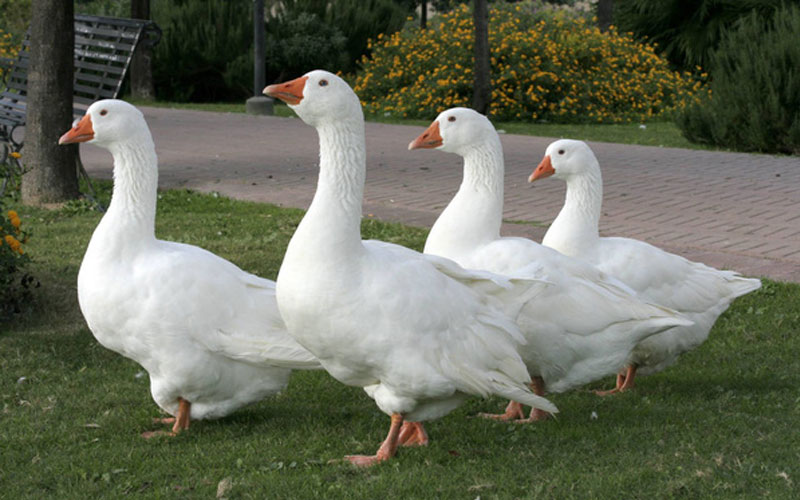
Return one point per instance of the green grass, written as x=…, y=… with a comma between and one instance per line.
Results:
x=664, y=134
x=720, y=424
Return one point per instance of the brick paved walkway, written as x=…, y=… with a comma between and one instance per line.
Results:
x=730, y=210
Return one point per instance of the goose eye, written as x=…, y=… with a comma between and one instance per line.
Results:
x=561, y=151
x=103, y=112
x=323, y=83
x=451, y=119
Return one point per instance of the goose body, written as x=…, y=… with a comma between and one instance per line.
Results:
x=209, y=334
x=582, y=327
x=418, y=333
x=699, y=292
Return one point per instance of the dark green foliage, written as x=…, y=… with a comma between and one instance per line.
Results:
x=111, y=8
x=15, y=16
x=309, y=34
x=300, y=41
x=686, y=30
x=755, y=83
x=205, y=53
x=361, y=20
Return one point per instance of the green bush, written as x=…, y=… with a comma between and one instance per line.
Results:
x=755, y=88
x=308, y=34
x=687, y=32
x=111, y=8
x=299, y=41
x=546, y=65
x=15, y=16
x=205, y=52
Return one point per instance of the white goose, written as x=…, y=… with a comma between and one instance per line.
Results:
x=581, y=328
x=699, y=292
x=418, y=333
x=208, y=333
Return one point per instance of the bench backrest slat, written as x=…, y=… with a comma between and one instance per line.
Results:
x=101, y=81
x=103, y=44
x=88, y=66
x=100, y=29
x=102, y=56
x=93, y=92
x=10, y=100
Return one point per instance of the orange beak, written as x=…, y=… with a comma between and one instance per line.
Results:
x=545, y=169
x=428, y=139
x=290, y=92
x=81, y=132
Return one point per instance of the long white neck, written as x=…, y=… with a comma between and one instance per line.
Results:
x=575, y=230
x=474, y=215
x=333, y=221
x=132, y=212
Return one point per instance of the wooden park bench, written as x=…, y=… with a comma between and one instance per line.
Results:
x=104, y=47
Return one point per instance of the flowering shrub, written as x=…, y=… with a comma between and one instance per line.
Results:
x=14, y=288
x=546, y=65
x=11, y=171
x=8, y=49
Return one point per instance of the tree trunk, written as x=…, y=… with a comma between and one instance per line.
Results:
x=423, y=14
x=142, y=62
x=482, y=87
x=51, y=175
x=605, y=14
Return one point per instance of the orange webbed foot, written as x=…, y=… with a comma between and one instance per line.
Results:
x=624, y=382
x=536, y=415
x=513, y=412
x=386, y=451
x=364, y=460
x=179, y=423
x=609, y=392
x=412, y=434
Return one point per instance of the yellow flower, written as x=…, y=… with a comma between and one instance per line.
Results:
x=15, y=154
x=13, y=243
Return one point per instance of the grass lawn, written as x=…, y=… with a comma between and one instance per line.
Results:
x=664, y=134
x=722, y=423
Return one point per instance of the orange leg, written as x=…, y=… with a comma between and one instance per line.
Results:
x=181, y=422
x=624, y=382
x=630, y=375
x=413, y=434
x=386, y=451
x=513, y=412
x=537, y=385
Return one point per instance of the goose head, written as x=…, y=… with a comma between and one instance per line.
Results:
x=455, y=130
x=318, y=97
x=107, y=122
x=563, y=159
